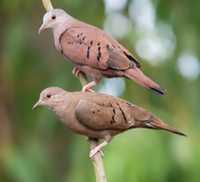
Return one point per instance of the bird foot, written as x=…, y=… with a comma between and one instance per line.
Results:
x=97, y=149
x=94, y=151
x=76, y=71
x=87, y=87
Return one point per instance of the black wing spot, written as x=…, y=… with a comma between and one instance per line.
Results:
x=99, y=54
x=113, y=116
x=88, y=52
x=123, y=114
x=84, y=38
x=132, y=59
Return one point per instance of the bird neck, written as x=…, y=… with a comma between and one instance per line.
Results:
x=60, y=28
x=61, y=107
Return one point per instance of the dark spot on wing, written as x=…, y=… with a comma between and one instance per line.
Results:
x=99, y=52
x=91, y=42
x=131, y=58
x=88, y=52
x=113, y=116
x=123, y=114
x=84, y=38
x=99, y=55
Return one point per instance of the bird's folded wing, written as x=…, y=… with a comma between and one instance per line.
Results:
x=89, y=45
x=102, y=117
x=120, y=59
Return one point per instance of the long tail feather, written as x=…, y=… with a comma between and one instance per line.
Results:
x=155, y=123
x=139, y=77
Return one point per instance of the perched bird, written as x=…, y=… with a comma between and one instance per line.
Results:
x=98, y=116
x=93, y=52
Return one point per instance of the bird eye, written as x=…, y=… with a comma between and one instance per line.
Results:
x=53, y=17
x=48, y=96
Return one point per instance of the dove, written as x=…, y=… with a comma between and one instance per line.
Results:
x=93, y=52
x=98, y=116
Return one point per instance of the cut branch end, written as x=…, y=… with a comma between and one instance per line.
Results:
x=47, y=5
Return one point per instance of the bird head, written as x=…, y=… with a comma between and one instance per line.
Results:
x=51, y=97
x=53, y=19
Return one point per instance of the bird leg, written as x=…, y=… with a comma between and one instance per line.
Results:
x=88, y=86
x=76, y=71
x=98, y=149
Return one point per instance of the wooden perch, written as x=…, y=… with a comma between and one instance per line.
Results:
x=97, y=160
x=47, y=5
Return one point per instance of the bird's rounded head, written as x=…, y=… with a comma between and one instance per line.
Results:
x=53, y=18
x=50, y=97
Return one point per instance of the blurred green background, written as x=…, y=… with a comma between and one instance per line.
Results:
x=35, y=147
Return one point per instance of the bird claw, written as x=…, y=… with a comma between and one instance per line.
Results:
x=87, y=87
x=94, y=151
x=76, y=71
x=97, y=149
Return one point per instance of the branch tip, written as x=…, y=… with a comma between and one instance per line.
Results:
x=47, y=5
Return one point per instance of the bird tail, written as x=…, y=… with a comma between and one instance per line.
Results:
x=156, y=123
x=139, y=77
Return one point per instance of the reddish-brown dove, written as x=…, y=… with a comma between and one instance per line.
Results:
x=93, y=52
x=98, y=116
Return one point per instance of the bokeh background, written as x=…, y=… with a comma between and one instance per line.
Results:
x=163, y=35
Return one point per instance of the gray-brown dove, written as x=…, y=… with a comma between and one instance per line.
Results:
x=93, y=52
x=98, y=116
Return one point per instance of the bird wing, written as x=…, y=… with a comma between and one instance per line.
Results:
x=103, y=116
x=105, y=112
x=88, y=45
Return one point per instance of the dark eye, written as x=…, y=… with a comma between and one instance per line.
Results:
x=53, y=17
x=48, y=96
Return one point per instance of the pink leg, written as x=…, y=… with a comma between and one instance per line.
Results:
x=76, y=71
x=87, y=87
x=97, y=149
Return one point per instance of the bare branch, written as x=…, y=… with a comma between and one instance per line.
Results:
x=97, y=159
x=47, y=5
x=97, y=162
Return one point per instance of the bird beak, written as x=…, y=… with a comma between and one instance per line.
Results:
x=38, y=103
x=42, y=28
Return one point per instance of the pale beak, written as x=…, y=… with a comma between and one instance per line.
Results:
x=38, y=103
x=42, y=28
